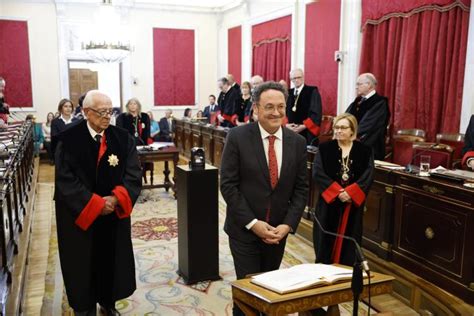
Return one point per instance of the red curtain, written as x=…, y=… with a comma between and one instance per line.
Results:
x=322, y=40
x=15, y=63
x=271, y=54
x=173, y=61
x=234, y=47
x=419, y=62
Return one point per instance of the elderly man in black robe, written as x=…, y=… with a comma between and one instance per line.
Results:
x=372, y=114
x=98, y=179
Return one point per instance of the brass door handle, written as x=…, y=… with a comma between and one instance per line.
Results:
x=429, y=233
x=432, y=189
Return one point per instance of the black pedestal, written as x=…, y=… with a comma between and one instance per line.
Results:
x=198, y=240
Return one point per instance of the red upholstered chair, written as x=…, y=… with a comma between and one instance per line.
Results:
x=326, y=132
x=441, y=154
x=412, y=132
x=456, y=141
x=402, y=148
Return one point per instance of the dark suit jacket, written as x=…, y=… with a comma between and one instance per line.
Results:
x=372, y=116
x=207, y=111
x=128, y=121
x=165, y=130
x=245, y=181
x=468, y=150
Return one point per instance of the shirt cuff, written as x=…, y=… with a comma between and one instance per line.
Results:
x=250, y=225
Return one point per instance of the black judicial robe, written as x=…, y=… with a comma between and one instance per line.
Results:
x=330, y=210
x=242, y=109
x=468, y=149
x=95, y=251
x=228, y=107
x=308, y=111
x=138, y=127
x=372, y=116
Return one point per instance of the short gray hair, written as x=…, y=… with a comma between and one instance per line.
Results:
x=90, y=96
x=370, y=78
x=268, y=85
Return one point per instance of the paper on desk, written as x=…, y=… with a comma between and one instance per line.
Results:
x=388, y=165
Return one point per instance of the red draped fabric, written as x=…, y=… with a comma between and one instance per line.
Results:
x=271, y=54
x=419, y=62
x=234, y=47
x=173, y=61
x=321, y=41
x=15, y=63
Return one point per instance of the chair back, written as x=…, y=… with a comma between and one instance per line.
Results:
x=441, y=154
x=456, y=141
x=402, y=148
x=412, y=132
x=326, y=132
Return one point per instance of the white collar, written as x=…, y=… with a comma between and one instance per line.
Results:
x=299, y=89
x=93, y=132
x=278, y=134
x=368, y=95
x=64, y=120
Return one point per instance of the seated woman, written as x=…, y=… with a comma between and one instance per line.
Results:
x=188, y=114
x=468, y=150
x=46, y=127
x=343, y=171
x=154, y=127
x=65, y=118
x=135, y=122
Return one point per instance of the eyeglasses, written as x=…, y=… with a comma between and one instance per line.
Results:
x=103, y=113
x=361, y=83
x=340, y=127
x=271, y=108
x=294, y=78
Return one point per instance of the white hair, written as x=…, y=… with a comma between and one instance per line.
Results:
x=292, y=71
x=370, y=78
x=91, y=96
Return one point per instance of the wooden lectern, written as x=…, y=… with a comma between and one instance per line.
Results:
x=198, y=216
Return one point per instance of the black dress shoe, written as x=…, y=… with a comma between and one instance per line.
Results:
x=109, y=311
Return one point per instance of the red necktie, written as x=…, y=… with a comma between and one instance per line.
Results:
x=272, y=161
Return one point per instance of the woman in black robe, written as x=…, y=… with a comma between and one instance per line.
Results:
x=135, y=122
x=343, y=171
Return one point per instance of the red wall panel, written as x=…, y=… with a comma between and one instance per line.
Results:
x=173, y=61
x=15, y=63
x=234, y=50
x=321, y=41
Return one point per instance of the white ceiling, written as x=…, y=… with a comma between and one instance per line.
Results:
x=196, y=3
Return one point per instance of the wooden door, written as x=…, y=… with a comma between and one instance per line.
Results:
x=81, y=81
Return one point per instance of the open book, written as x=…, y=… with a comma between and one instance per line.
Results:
x=302, y=276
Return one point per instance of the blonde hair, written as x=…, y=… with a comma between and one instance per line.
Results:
x=352, y=123
x=139, y=105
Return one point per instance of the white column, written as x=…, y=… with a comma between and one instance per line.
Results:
x=350, y=44
x=468, y=92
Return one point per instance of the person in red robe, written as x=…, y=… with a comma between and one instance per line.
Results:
x=97, y=181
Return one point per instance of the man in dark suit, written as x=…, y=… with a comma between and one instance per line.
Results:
x=166, y=127
x=372, y=114
x=263, y=181
x=468, y=150
x=304, y=108
x=212, y=108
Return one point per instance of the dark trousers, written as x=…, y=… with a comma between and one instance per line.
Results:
x=254, y=257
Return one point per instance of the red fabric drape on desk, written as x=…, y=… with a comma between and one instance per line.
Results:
x=173, y=62
x=234, y=49
x=15, y=63
x=419, y=62
x=271, y=54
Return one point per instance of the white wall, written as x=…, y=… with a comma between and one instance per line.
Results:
x=44, y=61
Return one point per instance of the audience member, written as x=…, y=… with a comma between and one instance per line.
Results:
x=97, y=181
x=4, y=107
x=78, y=113
x=304, y=108
x=255, y=81
x=199, y=114
x=244, y=104
x=212, y=110
x=154, y=127
x=188, y=114
x=468, y=150
x=343, y=170
x=261, y=213
x=135, y=122
x=46, y=127
x=63, y=121
x=372, y=114
x=38, y=137
x=166, y=127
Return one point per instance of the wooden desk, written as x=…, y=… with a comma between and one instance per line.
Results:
x=253, y=299
x=166, y=154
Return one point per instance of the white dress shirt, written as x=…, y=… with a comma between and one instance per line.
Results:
x=93, y=132
x=278, y=146
x=66, y=121
x=298, y=90
x=371, y=93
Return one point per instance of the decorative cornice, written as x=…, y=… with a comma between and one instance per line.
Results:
x=267, y=41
